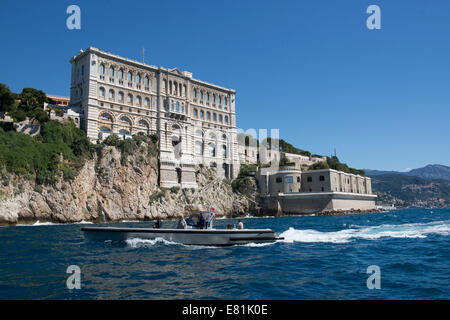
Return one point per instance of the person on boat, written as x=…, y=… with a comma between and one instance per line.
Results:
x=158, y=223
x=229, y=227
x=201, y=222
x=182, y=223
x=240, y=225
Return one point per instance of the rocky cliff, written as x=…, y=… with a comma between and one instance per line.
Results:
x=111, y=187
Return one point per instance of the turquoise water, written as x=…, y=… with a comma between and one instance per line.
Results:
x=323, y=257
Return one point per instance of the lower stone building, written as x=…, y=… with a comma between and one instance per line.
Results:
x=291, y=191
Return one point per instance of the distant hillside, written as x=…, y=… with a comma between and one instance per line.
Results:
x=429, y=172
x=404, y=190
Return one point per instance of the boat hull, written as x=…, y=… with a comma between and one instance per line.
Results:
x=209, y=237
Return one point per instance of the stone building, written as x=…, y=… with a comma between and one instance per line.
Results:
x=291, y=190
x=195, y=120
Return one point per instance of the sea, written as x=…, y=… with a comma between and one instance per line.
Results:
x=401, y=254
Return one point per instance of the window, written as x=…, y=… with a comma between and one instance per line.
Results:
x=202, y=114
x=201, y=95
x=298, y=179
x=198, y=148
x=124, y=132
x=130, y=76
x=207, y=96
x=102, y=69
x=208, y=115
x=214, y=117
x=212, y=150
x=143, y=123
x=125, y=120
x=226, y=119
x=226, y=101
x=220, y=118
x=147, y=102
x=322, y=178
x=138, y=78
x=105, y=130
x=111, y=94
x=214, y=98
x=138, y=101
x=182, y=108
x=309, y=179
x=224, y=151
x=111, y=71
x=121, y=96
x=130, y=98
x=105, y=116
x=220, y=99
x=82, y=70
x=194, y=93
x=289, y=179
x=195, y=112
x=147, y=81
x=121, y=74
x=279, y=180
x=177, y=106
x=102, y=92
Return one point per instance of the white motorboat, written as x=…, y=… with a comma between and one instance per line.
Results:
x=192, y=235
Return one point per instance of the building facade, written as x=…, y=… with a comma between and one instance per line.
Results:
x=195, y=120
x=290, y=190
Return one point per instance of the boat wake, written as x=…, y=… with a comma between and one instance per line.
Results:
x=410, y=230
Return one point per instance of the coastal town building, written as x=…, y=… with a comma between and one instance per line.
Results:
x=195, y=120
x=291, y=190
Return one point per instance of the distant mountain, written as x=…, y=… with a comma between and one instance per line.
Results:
x=406, y=190
x=429, y=172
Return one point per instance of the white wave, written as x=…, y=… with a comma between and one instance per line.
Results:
x=37, y=223
x=138, y=242
x=411, y=230
x=83, y=222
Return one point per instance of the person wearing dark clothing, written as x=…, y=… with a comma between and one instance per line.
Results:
x=157, y=224
x=201, y=222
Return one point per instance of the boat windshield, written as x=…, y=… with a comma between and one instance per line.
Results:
x=201, y=220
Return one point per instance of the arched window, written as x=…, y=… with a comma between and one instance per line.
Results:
x=214, y=98
x=212, y=136
x=208, y=115
x=226, y=119
x=194, y=93
x=170, y=87
x=220, y=118
x=147, y=81
x=214, y=117
x=143, y=123
x=130, y=98
x=199, y=133
x=180, y=90
x=195, y=112
x=182, y=108
x=105, y=130
x=147, y=102
x=121, y=74
x=121, y=96
x=102, y=69
x=111, y=71
x=212, y=150
x=102, y=92
x=201, y=95
x=106, y=117
x=138, y=78
x=224, y=151
x=198, y=148
x=125, y=120
x=202, y=114
x=172, y=107
x=138, y=101
x=226, y=101
x=207, y=96
x=220, y=99
x=111, y=94
x=177, y=106
x=130, y=76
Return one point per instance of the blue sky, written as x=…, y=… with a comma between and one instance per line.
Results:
x=310, y=68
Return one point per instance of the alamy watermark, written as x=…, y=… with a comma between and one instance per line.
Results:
x=74, y=280
x=374, y=280
x=374, y=20
x=73, y=22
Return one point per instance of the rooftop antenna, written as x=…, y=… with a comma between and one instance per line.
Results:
x=335, y=152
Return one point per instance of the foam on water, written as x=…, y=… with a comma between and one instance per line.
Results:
x=410, y=230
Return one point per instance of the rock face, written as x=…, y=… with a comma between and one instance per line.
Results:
x=111, y=188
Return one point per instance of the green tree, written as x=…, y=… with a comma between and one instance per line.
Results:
x=7, y=100
x=31, y=99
